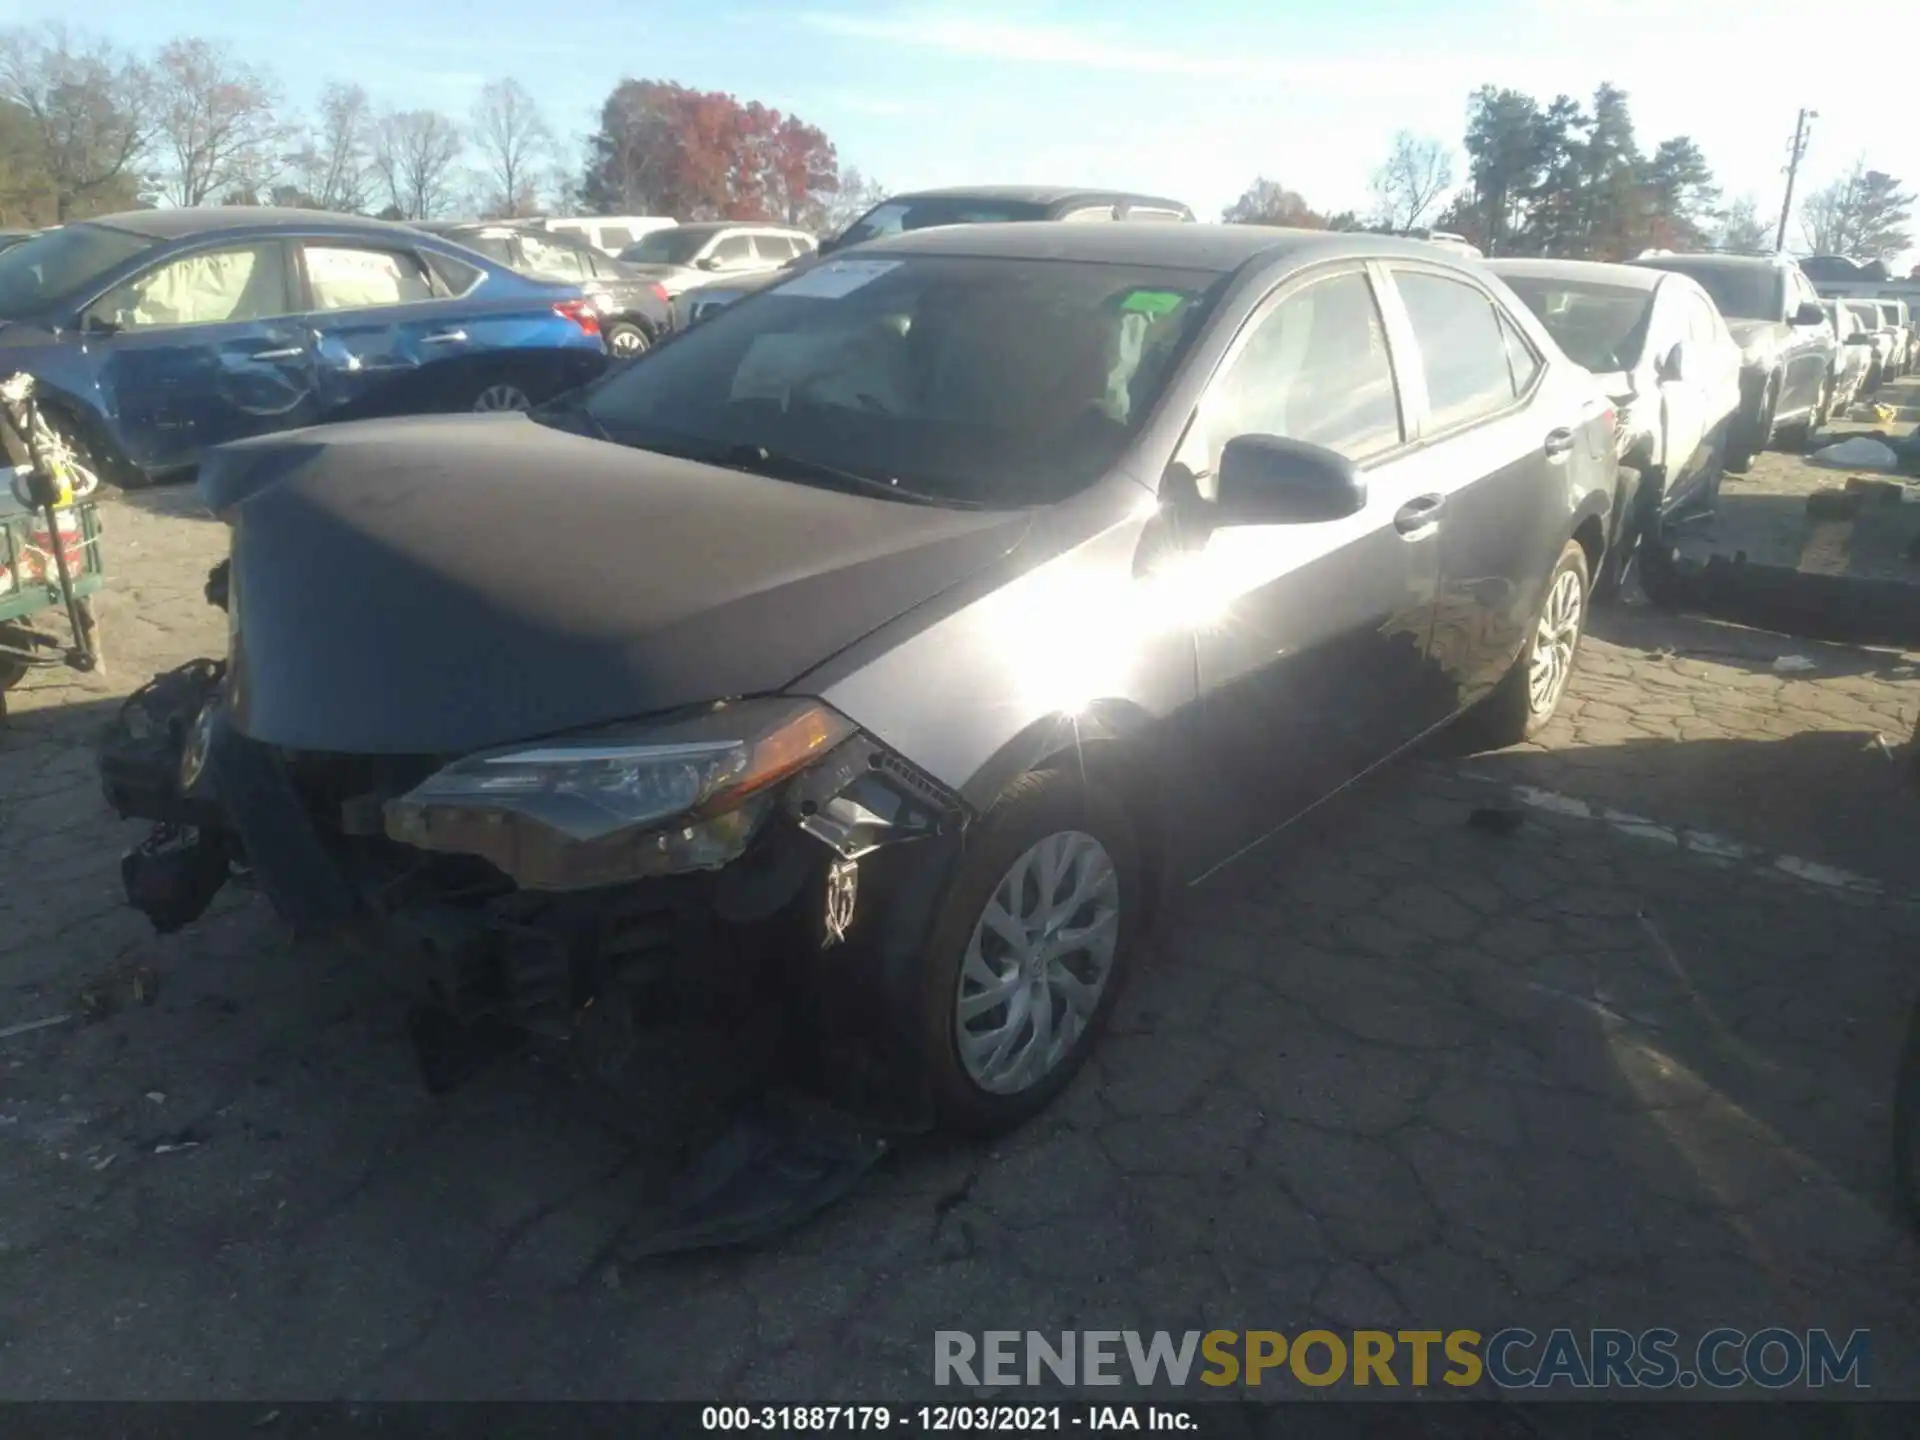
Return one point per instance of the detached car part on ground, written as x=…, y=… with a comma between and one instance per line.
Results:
x=911, y=633
x=49, y=545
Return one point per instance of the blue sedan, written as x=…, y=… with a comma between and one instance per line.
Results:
x=159, y=333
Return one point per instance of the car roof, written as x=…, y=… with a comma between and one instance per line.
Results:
x=1627, y=277
x=1193, y=247
x=1700, y=259
x=714, y=227
x=1038, y=195
x=182, y=222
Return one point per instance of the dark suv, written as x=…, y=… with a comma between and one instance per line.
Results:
x=1786, y=345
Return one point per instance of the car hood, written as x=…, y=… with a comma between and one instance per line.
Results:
x=436, y=585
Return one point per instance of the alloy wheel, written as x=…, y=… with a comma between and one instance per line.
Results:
x=627, y=342
x=1554, y=640
x=502, y=396
x=1038, y=962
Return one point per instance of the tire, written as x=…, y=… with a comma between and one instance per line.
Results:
x=627, y=341
x=1046, y=808
x=501, y=393
x=1512, y=713
x=85, y=454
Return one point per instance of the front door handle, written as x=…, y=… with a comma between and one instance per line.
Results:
x=445, y=337
x=1418, y=513
x=292, y=352
x=1559, y=444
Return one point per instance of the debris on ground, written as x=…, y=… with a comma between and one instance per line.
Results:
x=169, y=1148
x=1875, y=490
x=124, y=985
x=1793, y=665
x=158, y=1097
x=1495, y=820
x=1857, y=452
x=1831, y=502
x=1885, y=749
x=27, y=1027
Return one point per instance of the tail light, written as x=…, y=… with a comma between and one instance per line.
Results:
x=660, y=293
x=581, y=313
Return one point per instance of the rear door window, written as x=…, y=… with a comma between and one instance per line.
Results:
x=1462, y=351
x=210, y=287
x=1522, y=364
x=733, y=251
x=352, y=277
x=552, y=259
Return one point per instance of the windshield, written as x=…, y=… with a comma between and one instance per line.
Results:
x=61, y=264
x=677, y=246
x=1742, y=292
x=1601, y=327
x=893, y=216
x=1003, y=382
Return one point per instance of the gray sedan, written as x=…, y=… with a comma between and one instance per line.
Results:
x=910, y=632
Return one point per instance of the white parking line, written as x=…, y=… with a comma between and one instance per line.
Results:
x=1705, y=843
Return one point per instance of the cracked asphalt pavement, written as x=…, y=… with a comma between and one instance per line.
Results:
x=1628, y=1065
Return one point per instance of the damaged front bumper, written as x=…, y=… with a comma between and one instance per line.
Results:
x=834, y=881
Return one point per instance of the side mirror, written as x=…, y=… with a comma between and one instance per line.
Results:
x=1809, y=314
x=707, y=262
x=94, y=323
x=1673, y=366
x=1267, y=480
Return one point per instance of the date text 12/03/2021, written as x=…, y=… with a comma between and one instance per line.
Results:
x=944, y=1419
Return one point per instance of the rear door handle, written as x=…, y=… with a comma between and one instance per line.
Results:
x=445, y=337
x=1418, y=513
x=1559, y=444
x=292, y=352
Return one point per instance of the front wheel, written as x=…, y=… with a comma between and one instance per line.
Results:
x=1026, y=957
x=1525, y=699
x=501, y=395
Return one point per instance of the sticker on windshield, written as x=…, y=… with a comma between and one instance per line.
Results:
x=1152, y=303
x=837, y=278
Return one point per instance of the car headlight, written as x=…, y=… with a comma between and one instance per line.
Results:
x=619, y=804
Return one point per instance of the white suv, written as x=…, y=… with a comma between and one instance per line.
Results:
x=690, y=255
x=610, y=233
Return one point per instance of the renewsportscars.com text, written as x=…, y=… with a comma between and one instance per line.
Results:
x=1513, y=1359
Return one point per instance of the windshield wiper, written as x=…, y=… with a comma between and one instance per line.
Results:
x=779, y=465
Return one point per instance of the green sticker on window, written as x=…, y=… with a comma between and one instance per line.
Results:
x=1153, y=303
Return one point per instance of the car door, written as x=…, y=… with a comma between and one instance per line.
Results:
x=1316, y=668
x=1715, y=378
x=1679, y=392
x=201, y=348
x=390, y=337
x=1492, y=462
x=1812, y=346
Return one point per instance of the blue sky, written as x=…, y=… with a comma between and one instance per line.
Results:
x=1189, y=97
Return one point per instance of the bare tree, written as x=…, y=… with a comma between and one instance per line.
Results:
x=1863, y=214
x=857, y=194
x=215, y=122
x=1268, y=202
x=514, y=142
x=1416, y=174
x=1742, y=228
x=331, y=166
x=415, y=153
x=88, y=108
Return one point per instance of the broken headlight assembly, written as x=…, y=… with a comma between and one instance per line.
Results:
x=620, y=804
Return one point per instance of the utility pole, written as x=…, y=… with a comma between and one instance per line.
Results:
x=1793, y=169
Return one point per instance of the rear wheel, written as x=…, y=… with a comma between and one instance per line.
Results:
x=626, y=341
x=501, y=395
x=1524, y=702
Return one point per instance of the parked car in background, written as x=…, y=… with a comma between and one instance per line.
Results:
x=1448, y=240
x=1666, y=359
x=923, y=624
x=1842, y=268
x=1853, y=361
x=995, y=204
x=609, y=234
x=972, y=205
x=1786, y=344
x=1894, y=314
x=1879, y=337
x=690, y=255
x=159, y=333
x=634, y=311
